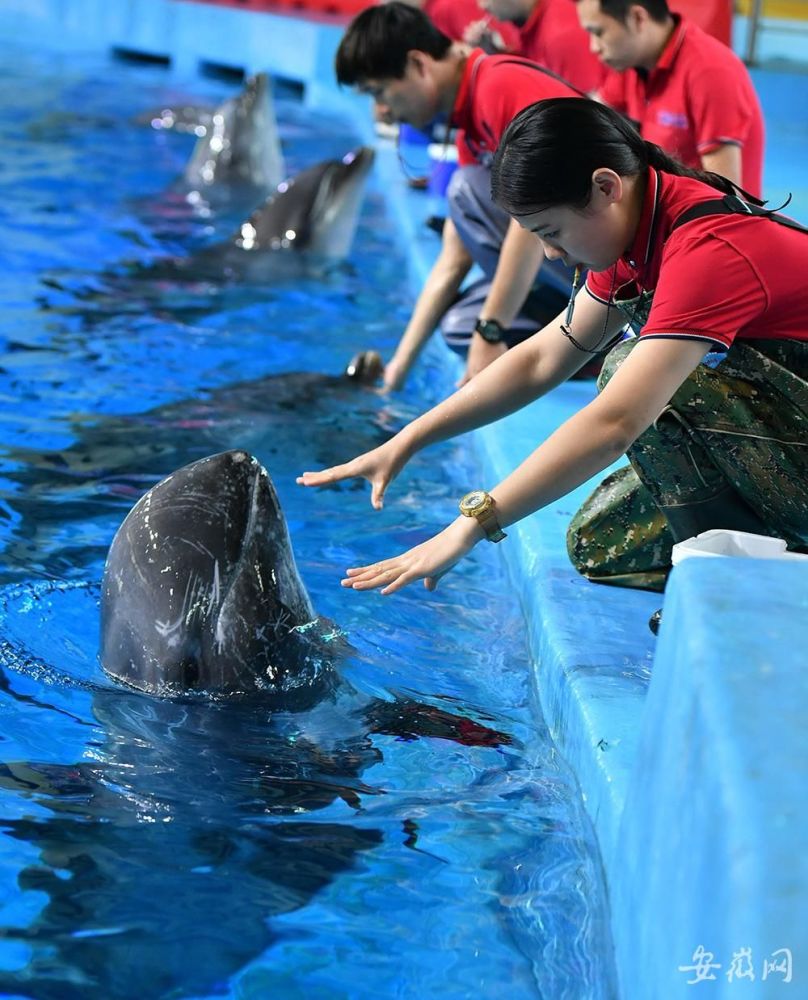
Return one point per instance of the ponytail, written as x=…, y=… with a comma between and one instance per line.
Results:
x=551, y=149
x=657, y=157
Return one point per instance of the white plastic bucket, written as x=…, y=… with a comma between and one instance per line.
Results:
x=722, y=542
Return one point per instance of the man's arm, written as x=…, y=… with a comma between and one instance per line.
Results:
x=526, y=372
x=725, y=160
x=440, y=288
x=520, y=258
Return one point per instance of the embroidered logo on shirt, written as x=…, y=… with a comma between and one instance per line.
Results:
x=672, y=119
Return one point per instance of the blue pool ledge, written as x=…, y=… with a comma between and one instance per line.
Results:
x=689, y=749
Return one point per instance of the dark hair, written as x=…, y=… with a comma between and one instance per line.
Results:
x=376, y=43
x=658, y=10
x=551, y=149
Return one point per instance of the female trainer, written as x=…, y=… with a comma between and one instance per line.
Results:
x=709, y=401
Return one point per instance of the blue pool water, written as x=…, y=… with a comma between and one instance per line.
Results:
x=162, y=849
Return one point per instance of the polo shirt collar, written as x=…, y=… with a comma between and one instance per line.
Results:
x=462, y=108
x=641, y=250
x=671, y=50
x=534, y=18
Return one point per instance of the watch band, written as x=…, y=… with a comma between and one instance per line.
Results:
x=487, y=520
x=491, y=330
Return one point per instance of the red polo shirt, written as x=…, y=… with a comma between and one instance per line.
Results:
x=452, y=17
x=698, y=97
x=553, y=37
x=716, y=278
x=492, y=91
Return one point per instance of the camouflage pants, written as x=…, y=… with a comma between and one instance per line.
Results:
x=739, y=430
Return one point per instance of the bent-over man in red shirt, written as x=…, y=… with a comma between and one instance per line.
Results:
x=417, y=76
x=466, y=21
x=549, y=34
x=682, y=88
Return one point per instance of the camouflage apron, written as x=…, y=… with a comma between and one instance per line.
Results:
x=735, y=434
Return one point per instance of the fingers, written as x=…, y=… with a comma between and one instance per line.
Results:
x=389, y=576
x=392, y=378
x=377, y=494
x=325, y=476
x=340, y=472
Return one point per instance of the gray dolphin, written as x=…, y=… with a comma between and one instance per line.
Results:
x=201, y=591
x=306, y=225
x=240, y=144
x=315, y=211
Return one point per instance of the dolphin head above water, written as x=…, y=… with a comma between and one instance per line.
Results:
x=316, y=210
x=240, y=144
x=201, y=592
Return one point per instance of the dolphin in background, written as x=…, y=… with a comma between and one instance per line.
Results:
x=304, y=227
x=239, y=146
x=316, y=210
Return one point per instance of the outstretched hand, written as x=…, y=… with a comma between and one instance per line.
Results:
x=379, y=467
x=428, y=561
x=393, y=376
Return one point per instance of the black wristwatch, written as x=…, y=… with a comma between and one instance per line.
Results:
x=491, y=330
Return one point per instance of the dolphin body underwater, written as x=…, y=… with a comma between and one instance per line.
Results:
x=213, y=759
x=115, y=457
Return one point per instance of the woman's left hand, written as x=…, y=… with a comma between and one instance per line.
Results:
x=428, y=561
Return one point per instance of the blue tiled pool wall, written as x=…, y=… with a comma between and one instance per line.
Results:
x=693, y=781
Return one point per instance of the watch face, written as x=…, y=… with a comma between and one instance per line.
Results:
x=490, y=330
x=474, y=500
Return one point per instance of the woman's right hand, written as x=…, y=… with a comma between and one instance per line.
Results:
x=380, y=467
